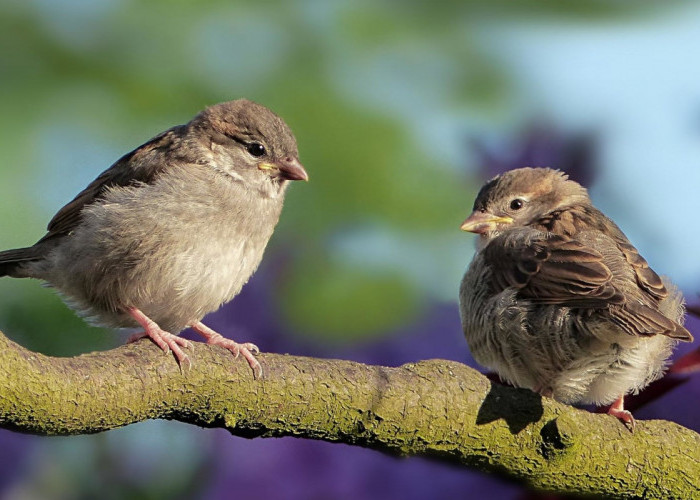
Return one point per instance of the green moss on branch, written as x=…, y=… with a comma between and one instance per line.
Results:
x=435, y=408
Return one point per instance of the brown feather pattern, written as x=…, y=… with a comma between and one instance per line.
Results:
x=557, y=299
x=132, y=168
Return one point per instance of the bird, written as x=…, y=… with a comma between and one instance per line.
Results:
x=557, y=300
x=173, y=229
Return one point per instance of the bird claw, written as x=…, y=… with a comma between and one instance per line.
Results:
x=172, y=343
x=617, y=410
x=169, y=342
x=247, y=349
x=165, y=340
x=625, y=416
x=544, y=390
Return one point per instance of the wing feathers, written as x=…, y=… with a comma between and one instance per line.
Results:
x=134, y=167
x=552, y=269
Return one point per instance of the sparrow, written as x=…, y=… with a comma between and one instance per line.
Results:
x=556, y=298
x=173, y=229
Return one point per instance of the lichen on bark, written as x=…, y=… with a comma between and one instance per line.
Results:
x=435, y=408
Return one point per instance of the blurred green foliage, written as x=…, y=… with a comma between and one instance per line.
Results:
x=361, y=84
x=381, y=96
x=368, y=88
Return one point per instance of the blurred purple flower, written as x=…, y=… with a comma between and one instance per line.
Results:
x=295, y=468
x=292, y=468
x=16, y=449
x=542, y=146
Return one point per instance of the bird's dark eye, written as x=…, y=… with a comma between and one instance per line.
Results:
x=256, y=149
x=516, y=204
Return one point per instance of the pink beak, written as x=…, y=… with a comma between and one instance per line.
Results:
x=291, y=169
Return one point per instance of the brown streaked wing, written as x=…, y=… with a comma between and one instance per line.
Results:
x=647, y=279
x=588, y=217
x=551, y=269
x=129, y=169
x=638, y=319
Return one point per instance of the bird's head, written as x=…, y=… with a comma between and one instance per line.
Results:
x=520, y=197
x=251, y=144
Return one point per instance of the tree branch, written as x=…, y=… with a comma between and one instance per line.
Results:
x=435, y=408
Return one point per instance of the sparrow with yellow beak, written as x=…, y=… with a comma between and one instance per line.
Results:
x=558, y=300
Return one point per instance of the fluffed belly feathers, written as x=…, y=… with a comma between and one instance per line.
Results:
x=174, y=278
x=559, y=350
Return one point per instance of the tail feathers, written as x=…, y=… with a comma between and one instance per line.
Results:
x=11, y=260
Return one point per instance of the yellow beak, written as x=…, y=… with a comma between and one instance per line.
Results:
x=483, y=222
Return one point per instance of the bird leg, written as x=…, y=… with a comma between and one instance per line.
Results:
x=543, y=390
x=246, y=350
x=165, y=340
x=617, y=409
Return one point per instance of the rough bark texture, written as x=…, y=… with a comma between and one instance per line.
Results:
x=435, y=408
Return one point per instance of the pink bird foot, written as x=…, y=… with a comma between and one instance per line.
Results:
x=617, y=409
x=247, y=350
x=165, y=340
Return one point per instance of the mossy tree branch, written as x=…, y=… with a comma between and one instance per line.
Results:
x=436, y=408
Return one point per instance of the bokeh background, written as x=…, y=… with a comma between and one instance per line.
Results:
x=401, y=110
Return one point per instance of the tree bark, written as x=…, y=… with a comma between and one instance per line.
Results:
x=433, y=408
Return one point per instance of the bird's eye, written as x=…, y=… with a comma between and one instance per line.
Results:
x=255, y=149
x=516, y=204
